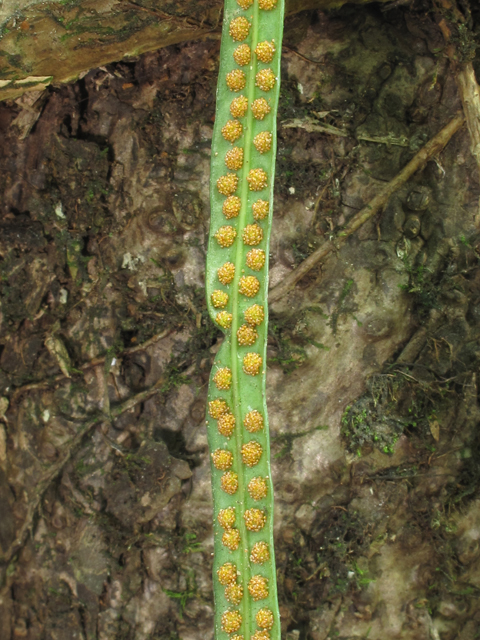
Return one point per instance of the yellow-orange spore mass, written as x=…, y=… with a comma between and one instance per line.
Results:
x=255, y=259
x=236, y=637
x=236, y=80
x=234, y=593
x=219, y=299
x=244, y=4
x=265, y=79
x=226, y=272
x=260, y=108
x=252, y=234
x=224, y=319
x=255, y=519
x=265, y=51
x=264, y=618
x=234, y=159
x=226, y=518
x=229, y=482
x=227, y=573
x=257, y=179
x=242, y=55
x=246, y=335
x=238, y=107
x=253, y=421
x=267, y=5
x=226, y=424
x=260, y=553
x=260, y=635
x=239, y=28
x=231, y=621
x=257, y=488
x=260, y=209
x=251, y=453
x=232, y=130
x=249, y=286
x=217, y=408
x=223, y=379
x=231, y=207
x=225, y=236
x=254, y=315
x=263, y=141
x=258, y=587
x=227, y=185
x=231, y=539
x=222, y=459
x=252, y=363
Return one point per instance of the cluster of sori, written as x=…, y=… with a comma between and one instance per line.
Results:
x=256, y=178
x=242, y=174
x=254, y=518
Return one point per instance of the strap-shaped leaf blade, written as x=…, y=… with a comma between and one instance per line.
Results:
x=242, y=176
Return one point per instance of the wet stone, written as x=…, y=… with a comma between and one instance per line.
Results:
x=305, y=516
x=418, y=199
x=412, y=227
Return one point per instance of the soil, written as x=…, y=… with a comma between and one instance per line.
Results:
x=106, y=345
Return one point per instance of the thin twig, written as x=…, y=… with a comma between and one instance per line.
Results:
x=465, y=75
x=432, y=148
x=300, y=55
x=319, y=568
x=311, y=124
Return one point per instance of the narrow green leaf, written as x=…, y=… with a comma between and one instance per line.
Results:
x=243, y=157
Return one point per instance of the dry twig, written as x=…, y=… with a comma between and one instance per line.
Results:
x=431, y=149
x=465, y=76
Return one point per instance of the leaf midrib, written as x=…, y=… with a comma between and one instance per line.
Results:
x=244, y=565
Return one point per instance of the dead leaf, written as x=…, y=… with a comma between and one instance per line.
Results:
x=435, y=429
